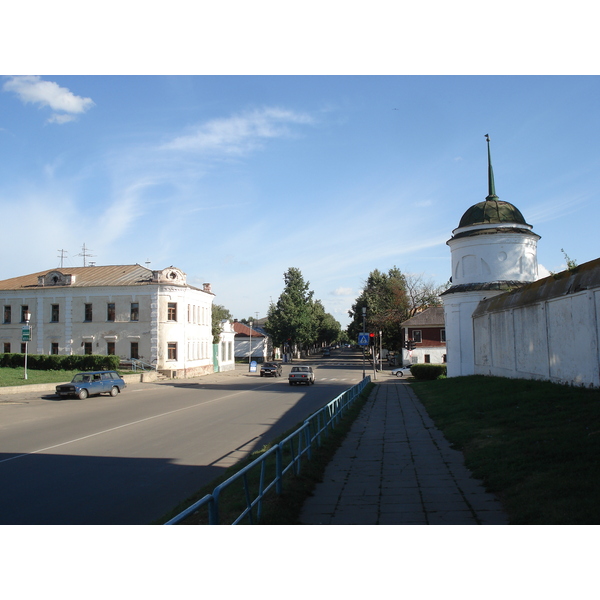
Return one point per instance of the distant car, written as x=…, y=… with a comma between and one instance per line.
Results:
x=92, y=383
x=401, y=372
x=270, y=370
x=326, y=352
x=301, y=375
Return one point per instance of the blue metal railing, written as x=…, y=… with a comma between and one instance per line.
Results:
x=289, y=454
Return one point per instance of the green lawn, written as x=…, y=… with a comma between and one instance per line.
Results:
x=10, y=377
x=536, y=445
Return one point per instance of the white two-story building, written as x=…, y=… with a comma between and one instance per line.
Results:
x=124, y=310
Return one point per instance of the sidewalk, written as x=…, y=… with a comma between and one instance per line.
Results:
x=396, y=468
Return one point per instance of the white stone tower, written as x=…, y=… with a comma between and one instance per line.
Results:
x=493, y=250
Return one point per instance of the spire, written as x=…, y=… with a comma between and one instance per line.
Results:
x=491, y=186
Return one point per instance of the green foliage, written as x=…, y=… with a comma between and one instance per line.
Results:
x=58, y=362
x=297, y=319
x=571, y=263
x=428, y=371
x=385, y=298
x=390, y=299
x=219, y=313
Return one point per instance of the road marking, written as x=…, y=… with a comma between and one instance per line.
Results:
x=91, y=435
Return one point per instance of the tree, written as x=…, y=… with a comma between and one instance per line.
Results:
x=219, y=314
x=291, y=321
x=390, y=299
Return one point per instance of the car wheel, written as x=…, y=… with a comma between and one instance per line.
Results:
x=399, y=374
x=83, y=394
x=114, y=390
x=291, y=383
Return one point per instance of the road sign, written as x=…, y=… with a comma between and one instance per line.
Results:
x=26, y=333
x=363, y=339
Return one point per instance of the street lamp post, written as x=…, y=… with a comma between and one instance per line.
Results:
x=364, y=313
x=250, y=357
x=26, y=336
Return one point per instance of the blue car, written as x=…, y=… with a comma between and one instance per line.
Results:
x=92, y=383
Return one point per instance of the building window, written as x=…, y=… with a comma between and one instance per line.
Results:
x=172, y=311
x=172, y=351
x=427, y=358
x=417, y=336
x=7, y=314
x=6, y=347
x=135, y=311
x=135, y=353
x=110, y=348
x=110, y=311
x=444, y=358
x=88, y=313
x=87, y=348
x=54, y=313
x=54, y=348
x=24, y=309
x=443, y=335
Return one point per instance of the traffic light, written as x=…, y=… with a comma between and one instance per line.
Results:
x=412, y=345
x=371, y=339
x=405, y=345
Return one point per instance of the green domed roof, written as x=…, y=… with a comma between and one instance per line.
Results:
x=492, y=211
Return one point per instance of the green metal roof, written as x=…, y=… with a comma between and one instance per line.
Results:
x=492, y=209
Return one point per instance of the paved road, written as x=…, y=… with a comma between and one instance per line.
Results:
x=130, y=459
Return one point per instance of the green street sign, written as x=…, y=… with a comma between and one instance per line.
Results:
x=26, y=334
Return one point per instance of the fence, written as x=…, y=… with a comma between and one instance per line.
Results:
x=266, y=472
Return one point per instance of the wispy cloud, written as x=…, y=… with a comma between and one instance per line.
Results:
x=33, y=89
x=240, y=133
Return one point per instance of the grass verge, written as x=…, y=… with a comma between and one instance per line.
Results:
x=535, y=444
x=277, y=510
x=12, y=377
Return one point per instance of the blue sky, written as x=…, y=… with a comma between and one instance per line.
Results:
x=234, y=179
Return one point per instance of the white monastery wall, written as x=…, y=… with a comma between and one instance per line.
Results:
x=555, y=339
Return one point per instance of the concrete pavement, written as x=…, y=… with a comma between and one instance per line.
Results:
x=396, y=468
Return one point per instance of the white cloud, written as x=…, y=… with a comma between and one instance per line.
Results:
x=32, y=89
x=343, y=291
x=240, y=133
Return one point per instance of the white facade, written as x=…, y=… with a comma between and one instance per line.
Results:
x=548, y=330
x=493, y=250
x=226, y=352
x=125, y=310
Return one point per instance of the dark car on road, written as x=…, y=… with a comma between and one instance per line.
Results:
x=92, y=383
x=270, y=370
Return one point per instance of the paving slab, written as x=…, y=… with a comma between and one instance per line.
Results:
x=396, y=468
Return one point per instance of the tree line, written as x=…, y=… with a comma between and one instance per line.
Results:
x=298, y=322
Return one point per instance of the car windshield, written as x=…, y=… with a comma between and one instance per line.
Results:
x=81, y=377
x=301, y=369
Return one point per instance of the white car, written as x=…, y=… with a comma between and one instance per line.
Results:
x=401, y=372
x=300, y=375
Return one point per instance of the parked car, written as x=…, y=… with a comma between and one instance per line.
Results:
x=92, y=383
x=270, y=370
x=401, y=372
x=301, y=375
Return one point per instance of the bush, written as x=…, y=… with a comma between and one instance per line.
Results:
x=57, y=362
x=428, y=371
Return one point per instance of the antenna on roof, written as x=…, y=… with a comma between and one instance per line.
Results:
x=85, y=254
x=147, y=263
x=62, y=258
